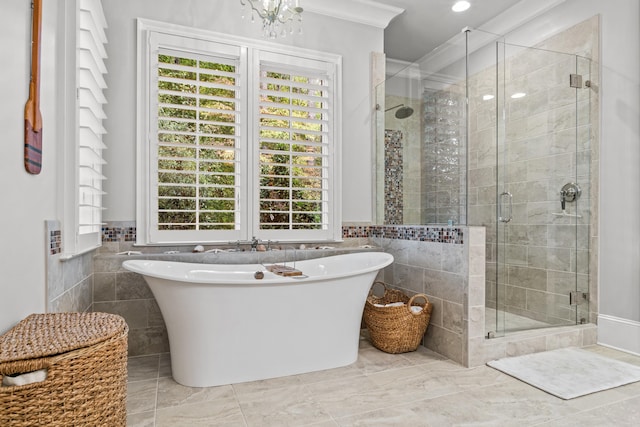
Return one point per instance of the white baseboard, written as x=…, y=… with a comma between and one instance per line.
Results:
x=621, y=334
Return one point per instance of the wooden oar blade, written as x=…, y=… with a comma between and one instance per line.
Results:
x=32, y=148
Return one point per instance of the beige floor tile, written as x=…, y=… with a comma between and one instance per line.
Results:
x=418, y=389
x=165, y=366
x=285, y=406
x=143, y=419
x=615, y=354
x=253, y=387
x=372, y=360
x=621, y=414
x=170, y=393
x=142, y=368
x=422, y=356
x=388, y=417
x=141, y=396
x=413, y=383
x=350, y=371
x=512, y=402
x=466, y=378
x=221, y=412
x=352, y=396
x=329, y=423
x=630, y=390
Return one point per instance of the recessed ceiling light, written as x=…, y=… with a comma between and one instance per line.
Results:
x=487, y=97
x=461, y=6
x=518, y=95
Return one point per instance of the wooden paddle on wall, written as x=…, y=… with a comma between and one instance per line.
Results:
x=32, y=116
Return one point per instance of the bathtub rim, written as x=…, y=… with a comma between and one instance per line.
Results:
x=138, y=266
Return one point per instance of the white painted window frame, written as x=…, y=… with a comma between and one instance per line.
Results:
x=252, y=51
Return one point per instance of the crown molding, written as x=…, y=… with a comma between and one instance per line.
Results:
x=367, y=12
x=404, y=69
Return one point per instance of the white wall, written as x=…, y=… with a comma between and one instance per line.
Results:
x=27, y=200
x=353, y=41
x=620, y=175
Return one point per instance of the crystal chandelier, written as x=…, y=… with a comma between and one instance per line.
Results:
x=279, y=17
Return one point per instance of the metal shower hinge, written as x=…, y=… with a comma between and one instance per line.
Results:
x=578, y=298
x=575, y=80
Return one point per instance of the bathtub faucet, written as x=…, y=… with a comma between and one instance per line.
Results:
x=254, y=243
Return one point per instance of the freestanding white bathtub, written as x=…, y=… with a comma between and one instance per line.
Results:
x=225, y=326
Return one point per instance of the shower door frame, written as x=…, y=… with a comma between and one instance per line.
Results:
x=509, y=260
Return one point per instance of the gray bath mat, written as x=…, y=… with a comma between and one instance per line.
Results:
x=568, y=372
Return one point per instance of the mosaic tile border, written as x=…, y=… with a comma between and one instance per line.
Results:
x=118, y=234
x=436, y=234
x=393, y=177
x=55, y=242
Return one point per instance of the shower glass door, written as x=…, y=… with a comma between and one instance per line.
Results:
x=543, y=187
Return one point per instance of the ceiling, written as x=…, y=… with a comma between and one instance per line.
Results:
x=426, y=24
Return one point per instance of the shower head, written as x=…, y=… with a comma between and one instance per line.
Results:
x=403, y=111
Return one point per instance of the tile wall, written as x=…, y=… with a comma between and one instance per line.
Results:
x=125, y=293
x=451, y=274
x=69, y=282
x=445, y=263
x=444, y=157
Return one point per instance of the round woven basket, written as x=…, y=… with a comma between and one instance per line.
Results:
x=396, y=329
x=85, y=358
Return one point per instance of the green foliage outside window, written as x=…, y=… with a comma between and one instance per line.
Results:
x=197, y=165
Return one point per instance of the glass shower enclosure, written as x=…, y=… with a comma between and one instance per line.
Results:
x=542, y=191
x=500, y=137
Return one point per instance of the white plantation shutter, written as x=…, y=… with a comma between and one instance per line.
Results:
x=90, y=57
x=194, y=151
x=294, y=148
x=198, y=150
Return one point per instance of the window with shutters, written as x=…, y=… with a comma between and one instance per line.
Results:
x=91, y=83
x=83, y=160
x=236, y=140
x=197, y=153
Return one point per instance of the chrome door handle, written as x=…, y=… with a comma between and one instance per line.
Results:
x=508, y=198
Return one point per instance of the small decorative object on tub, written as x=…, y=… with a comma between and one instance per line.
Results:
x=64, y=369
x=396, y=322
x=284, y=270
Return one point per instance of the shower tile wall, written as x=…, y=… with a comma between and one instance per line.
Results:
x=541, y=260
x=444, y=151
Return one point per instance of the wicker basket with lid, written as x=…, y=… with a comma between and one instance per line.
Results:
x=85, y=358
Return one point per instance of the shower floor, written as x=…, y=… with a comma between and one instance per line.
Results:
x=512, y=322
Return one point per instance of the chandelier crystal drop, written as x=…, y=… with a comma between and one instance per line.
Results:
x=279, y=17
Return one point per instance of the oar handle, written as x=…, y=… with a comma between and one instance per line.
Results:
x=32, y=112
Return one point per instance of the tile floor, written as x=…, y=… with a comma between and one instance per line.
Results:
x=412, y=389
